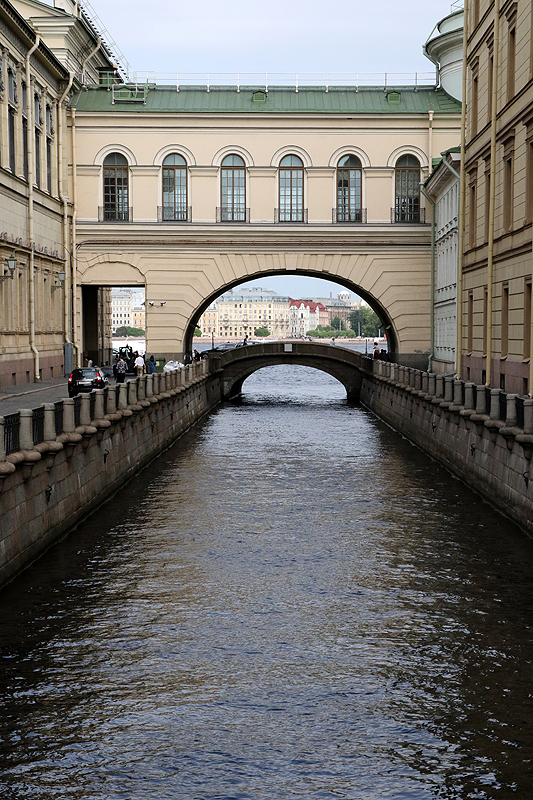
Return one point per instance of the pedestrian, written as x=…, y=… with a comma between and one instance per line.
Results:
x=151, y=365
x=245, y=341
x=197, y=357
x=376, y=351
x=139, y=365
x=122, y=368
x=89, y=362
x=188, y=359
x=332, y=341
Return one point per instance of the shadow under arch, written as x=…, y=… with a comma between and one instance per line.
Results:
x=386, y=320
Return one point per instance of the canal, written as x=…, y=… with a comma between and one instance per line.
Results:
x=292, y=602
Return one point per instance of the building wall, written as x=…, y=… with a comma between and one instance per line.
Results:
x=512, y=176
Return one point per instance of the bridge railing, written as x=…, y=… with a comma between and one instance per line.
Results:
x=23, y=430
x=504, y=413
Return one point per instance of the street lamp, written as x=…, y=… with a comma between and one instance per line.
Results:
x=11, y=265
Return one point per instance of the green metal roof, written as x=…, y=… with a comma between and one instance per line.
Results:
x=279, y=100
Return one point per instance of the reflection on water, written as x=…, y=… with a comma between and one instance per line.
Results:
x=292, y=602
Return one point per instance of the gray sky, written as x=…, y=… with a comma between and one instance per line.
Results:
x=305, y=36
x=274, y=36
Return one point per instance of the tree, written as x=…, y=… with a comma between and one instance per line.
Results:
x=261, y=332
x=337, y=324
x=127, y=330
x=197, y=332
x=365, y=322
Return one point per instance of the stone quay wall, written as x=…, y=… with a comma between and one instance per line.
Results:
x=483, y=436
x=61, y=461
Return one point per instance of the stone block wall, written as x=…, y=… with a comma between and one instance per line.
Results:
x=48, y=487
x=483, y=436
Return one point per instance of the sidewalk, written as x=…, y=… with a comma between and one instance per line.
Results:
x=10, y=392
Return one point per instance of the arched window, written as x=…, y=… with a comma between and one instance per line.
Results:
x=116, y=188
x=349, y=190
x=407, y=207
x=174, y=189
x=233, y=190
x=291, y=189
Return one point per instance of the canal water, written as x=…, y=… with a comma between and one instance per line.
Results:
x=292, y=602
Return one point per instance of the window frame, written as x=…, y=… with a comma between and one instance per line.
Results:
x=113, y=209
x=177, y=209
x=295, y=208
x=411, y=211
x=348, y=209
x=233, y=189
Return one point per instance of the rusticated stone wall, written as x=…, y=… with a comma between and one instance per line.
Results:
x=484, y=436
x=48, y=487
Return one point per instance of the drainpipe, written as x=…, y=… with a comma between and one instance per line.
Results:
x=31, y=139
x=64, y=202
x=430, y=139
x=85, y=60
x=492, y=196
x=432, y=306
x=74, y=244
x=462, y=192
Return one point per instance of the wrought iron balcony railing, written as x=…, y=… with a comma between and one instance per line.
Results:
x=283, y=216
x=410, y=215
x=340, y=215
x=174, y=213
x=106, y=214
x=233, y=214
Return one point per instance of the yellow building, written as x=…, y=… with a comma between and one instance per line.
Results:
x=496, y=320
x=242, y=311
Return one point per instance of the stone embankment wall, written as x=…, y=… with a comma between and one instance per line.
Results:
x=61, y=461
x=483, y=436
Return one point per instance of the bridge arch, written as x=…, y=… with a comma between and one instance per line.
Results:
x=347, y=366
x=374, y=303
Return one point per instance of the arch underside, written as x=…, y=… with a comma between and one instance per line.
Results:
x=239, y=369
x=387, y=322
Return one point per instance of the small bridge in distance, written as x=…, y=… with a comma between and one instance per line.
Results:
x=347, y=366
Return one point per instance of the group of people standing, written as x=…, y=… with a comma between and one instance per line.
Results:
x=132, y=361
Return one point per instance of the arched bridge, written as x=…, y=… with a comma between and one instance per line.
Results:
x=348, y=366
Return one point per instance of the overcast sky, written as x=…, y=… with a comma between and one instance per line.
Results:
x=283, y=36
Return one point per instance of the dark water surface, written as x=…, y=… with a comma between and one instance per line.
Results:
x=293, y=602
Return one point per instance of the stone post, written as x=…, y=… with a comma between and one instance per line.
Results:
x=26, y=429
x=412, y=378
x=439, y=386
x=469, y=396
x=481, y=404
x=85, y=410
x=458, y=393
x=510, y=415
x=141, y=391
x=111, y=400
x=448, y=390
x=2, y=440
x=132, y=393
x=432, y=384
x=68, y=415
x=49, y=422
x=495, y=403
x=99, y=404
x=123, y=396
x=528, y=415
x=149, y=385
x=425, y=382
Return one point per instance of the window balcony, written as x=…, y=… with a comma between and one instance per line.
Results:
x=408, y=215
x=113, y=214
x=236, y=213
x=290, y=216
x=348, y=216
x=179, y=213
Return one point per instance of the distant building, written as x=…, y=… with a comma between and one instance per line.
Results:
x=208, y=322
x=127, y=308
x=241, y=312
x=305, y=315
x=340, y=307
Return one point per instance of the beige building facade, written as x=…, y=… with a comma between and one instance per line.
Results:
x=496, y=320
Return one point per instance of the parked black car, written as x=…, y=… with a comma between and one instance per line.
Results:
x=85, y=380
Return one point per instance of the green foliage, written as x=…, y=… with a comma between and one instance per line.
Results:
x=127, y=330
x=197, y=332
x=337, y=323
x=261, y=332
x=365, y=322
x=328, y=332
